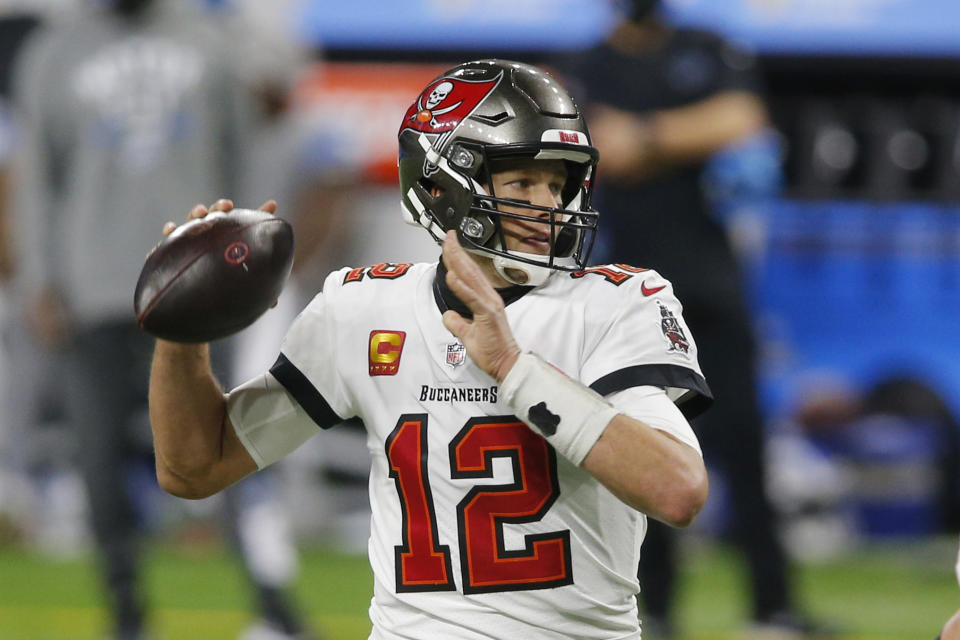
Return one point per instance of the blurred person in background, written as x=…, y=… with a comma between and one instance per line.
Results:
x=662, y=101
x=125, y=112
x=13, y=30
x=899, y=430
x=31, y=403
x=6, y=242
x=9, y=465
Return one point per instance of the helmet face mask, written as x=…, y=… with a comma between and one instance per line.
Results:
x=468, y=121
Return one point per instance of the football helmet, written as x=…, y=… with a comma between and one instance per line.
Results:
x=480, y=112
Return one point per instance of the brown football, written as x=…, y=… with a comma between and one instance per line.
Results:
x=214, y=276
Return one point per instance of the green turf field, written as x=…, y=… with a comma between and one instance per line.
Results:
x=884, y=592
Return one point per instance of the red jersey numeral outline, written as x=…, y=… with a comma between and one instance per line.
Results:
x=422, y=563
x=615, y=274
x=485, y=564
x=382, y=271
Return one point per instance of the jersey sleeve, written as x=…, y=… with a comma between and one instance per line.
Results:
x=276, y=412
x=653, y=407
x=308, y=363
x=645, y=342
x=267, y=420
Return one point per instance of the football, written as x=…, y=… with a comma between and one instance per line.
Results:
x=214, y=276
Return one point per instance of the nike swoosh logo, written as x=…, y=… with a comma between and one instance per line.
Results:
x=649, y=292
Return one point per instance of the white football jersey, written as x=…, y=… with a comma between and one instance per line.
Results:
x=479, y=529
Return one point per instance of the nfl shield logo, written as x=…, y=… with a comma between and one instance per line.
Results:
x=456, y=354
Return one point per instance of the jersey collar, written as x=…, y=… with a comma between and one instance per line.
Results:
x=445, y=299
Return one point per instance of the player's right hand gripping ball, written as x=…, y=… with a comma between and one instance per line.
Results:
x=214, y=276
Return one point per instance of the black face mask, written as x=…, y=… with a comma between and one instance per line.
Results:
x=640, y=10
x=129, y=7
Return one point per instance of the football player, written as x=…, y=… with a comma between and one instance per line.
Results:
x=525, y=412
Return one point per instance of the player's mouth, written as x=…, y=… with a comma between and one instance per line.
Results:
x=536, y=243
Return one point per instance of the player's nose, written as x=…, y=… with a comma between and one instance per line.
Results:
x=543, y=195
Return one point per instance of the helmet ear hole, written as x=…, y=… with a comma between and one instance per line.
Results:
x=432, y=188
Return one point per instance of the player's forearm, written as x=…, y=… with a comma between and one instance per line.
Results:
x=645, y=468
x=693, y=133
x=187, y=415
x=649, y=470
x=639, y=146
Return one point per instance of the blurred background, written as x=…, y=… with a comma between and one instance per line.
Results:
x=846, y=221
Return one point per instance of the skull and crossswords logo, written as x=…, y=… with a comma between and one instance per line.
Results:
x=428, y=111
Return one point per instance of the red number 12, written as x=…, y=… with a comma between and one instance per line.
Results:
x=423, y=564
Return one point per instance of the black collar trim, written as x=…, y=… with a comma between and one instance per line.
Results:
x=445, y=299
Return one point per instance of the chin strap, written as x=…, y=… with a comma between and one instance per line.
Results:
x=518, y=272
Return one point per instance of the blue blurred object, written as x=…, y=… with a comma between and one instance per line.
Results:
x=745, y=173
x=893, y=461
x=861, y=290
x=891, y=27
x=466, y=25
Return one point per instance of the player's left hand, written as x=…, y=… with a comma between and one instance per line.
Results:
x=223, y=204
x=488, y=338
